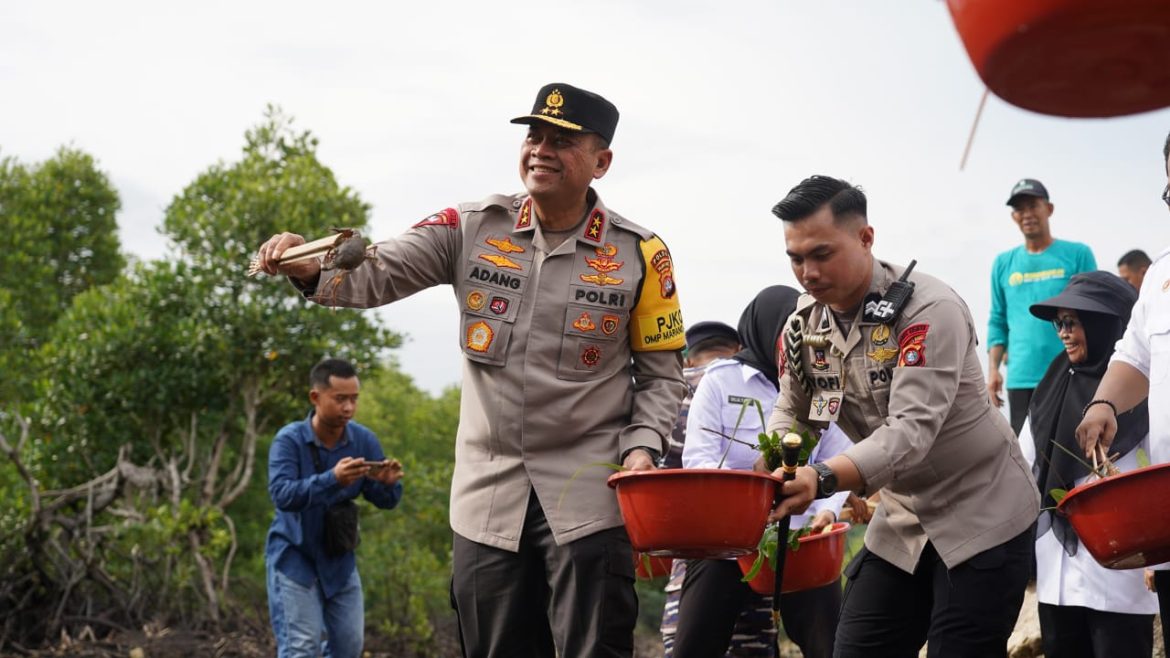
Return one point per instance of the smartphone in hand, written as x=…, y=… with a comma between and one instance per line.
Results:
x=377, y=466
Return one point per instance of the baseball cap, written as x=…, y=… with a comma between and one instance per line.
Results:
x=1028, y=187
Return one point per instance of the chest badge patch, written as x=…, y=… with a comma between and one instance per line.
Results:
x=883, y=354
x=479, y=337
x=819, y=360
x=604, y=261
x=880, y=334
x=590, y=356
x=826, y=406
x=505, y=245
x=499, y=305
x=501, y=261
x=601, y=279
x=609, y=324
x=475, y=300
x=912, y=346
x=584, y=323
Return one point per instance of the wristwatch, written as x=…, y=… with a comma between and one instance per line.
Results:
x=826, y=480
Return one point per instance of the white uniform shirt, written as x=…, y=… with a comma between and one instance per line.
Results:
x=1078, y=580
x=1146, y=346
x=717, y=404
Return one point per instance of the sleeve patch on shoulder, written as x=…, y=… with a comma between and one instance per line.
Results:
x=657, y=319
x=446, y=217
x=912, y=346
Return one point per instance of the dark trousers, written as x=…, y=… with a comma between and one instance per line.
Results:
x=714, y=595
x=1078, y=632
x=965, y=612
x=504, y=600
x=1162, y=585
x=1018, y=401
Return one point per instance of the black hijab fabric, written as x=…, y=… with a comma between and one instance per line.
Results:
x=760, y=326
x=1055, y=410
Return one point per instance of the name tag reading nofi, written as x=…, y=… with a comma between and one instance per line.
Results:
x=826, y=405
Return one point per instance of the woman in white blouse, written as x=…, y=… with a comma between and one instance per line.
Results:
x=1085, y=609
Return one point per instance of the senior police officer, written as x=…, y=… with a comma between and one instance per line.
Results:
x=571, y=332
x=947, y=555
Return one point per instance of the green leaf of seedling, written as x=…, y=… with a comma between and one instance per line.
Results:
x=613, y=467
x=1058, y=494
x=1142, y=458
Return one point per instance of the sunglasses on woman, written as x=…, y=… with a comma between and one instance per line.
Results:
x=1065, y=324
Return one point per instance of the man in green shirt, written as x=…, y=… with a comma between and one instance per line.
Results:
x=1020, y=277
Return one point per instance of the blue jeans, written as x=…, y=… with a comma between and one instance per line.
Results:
x=300, y=614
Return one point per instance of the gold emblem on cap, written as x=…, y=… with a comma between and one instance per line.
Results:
x=553, y=103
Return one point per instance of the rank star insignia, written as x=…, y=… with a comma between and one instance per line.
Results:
x=584, y=323
x=883, y=354
x=505, y=245
x=479, y=337
x=475, y=300
x=596, y=224
x=553, y=103
x=524, y=219
x=601, y=279
x=880, y=334
x=501, y=261
x=609, y=324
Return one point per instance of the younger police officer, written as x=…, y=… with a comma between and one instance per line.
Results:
x=947, y=555
x=572, y=337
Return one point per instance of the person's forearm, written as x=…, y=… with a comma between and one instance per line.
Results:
x=995, y=357
x=848, y=477
x=1123, y=385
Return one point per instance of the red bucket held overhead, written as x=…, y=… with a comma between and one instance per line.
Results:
x=1073, y=58
x=1122, y=519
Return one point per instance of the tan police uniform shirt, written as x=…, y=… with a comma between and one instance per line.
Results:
x=911, y=395
x=572, y=355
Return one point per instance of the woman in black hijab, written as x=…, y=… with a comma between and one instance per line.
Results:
x=1085, y=609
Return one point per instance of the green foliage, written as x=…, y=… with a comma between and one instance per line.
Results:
x=1058, y=494
x=766, y=549
x=1143, y=460
x=59, y=238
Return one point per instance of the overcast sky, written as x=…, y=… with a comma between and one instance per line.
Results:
x=724, y=107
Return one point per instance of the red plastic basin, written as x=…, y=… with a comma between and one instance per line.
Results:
x=1122, y=519
x=694, y=513
x=1073, y=58
x=816, y=564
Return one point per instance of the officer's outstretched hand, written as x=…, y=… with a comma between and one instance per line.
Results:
x=798, y=493
x=273, y=248
x=1097, y=427
x=638, y=460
